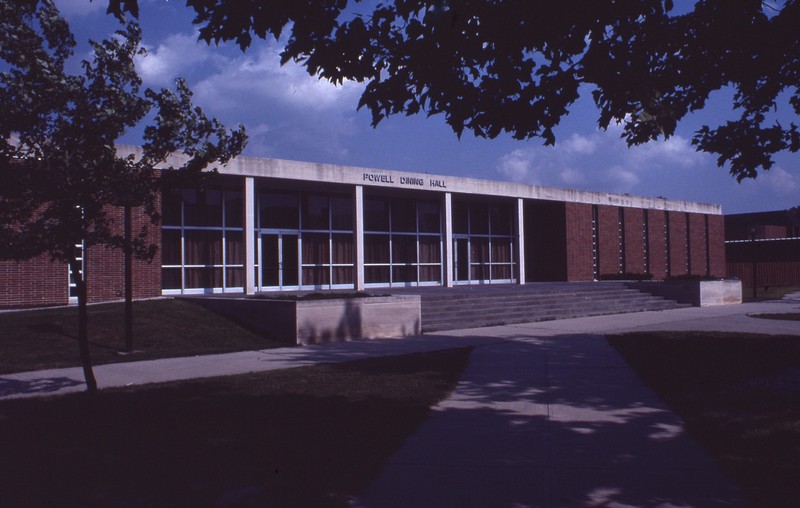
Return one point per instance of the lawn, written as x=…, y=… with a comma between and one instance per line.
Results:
x=47, y=338
x=739, y=395
x=309, y=436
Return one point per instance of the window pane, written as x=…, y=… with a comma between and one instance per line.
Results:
x=404, y=217
x=428, y=212
x=460, y=218
x=501, y=220
x=202, y=208
x=376, y=214
x=376, y=249
x=429, y=249
x=171, y=278
x=278, y=210
x=501, y=272
x=376, y=274
x=479, y=272
x=430, y=273
x=404, y=274
x=234, y=277
x=479, y=250
x=203, y=278
x=170, y=247
x=501, y=250
x=203, y=247
x=315, y=212
x=343, y=274
x=343, y=251
x=315, y=276
x=479, y=219
x=315, y=249
x=234, y=209
x=234, y=248
x=171, y=209
x=342, y=213
x=404, y=249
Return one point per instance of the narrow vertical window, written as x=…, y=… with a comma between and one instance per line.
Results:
x=595, y=244
x=646, y=240
x=621, y=233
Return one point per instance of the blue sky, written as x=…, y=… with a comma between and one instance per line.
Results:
x=291, y=115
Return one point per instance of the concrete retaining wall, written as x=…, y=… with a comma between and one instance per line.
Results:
x=700, y=293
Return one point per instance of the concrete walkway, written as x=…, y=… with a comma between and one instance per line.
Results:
x=546, y=414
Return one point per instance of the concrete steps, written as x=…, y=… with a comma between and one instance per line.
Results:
x=467, y=308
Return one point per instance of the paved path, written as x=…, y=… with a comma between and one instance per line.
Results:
x=546, y=414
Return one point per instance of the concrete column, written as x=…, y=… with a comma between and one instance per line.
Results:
x=520, y=226
x=358, y=223
x=449, y=276
x=249, y=235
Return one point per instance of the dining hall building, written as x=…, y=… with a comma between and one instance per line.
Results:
x=276, y=225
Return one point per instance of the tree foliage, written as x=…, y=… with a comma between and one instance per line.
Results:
x=60, y=173
x=516, y=66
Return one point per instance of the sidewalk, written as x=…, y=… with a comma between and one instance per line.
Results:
x=546, y=413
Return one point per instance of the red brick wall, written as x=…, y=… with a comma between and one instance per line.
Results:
x=716, y=245
x=608, y=219
x=105, y=268
x=697, y=236
x=579, y=241
x=657, y=244
x=677, y=243
x=634, y=246
x=34, y=282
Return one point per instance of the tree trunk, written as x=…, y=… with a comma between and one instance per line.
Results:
x=128, y=282
x=83, y=334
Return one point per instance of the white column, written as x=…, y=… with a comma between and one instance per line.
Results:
x=520, y=225
x=448, y=239
x=249, y=235
x=358, y=224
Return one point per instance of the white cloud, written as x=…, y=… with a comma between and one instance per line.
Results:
x=165, y=62
x=780, y=180
x=599, y=160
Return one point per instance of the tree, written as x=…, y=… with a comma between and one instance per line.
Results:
x=516, y=66
x=60, y=173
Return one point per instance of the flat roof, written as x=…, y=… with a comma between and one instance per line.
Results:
x=409, y=180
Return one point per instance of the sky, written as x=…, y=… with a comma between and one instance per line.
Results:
x=291, y=115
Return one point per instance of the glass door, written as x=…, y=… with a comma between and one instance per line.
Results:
x=280, y=266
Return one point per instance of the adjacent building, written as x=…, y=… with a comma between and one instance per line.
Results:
x=275, y=225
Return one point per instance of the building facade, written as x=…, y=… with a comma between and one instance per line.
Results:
x=273, y=225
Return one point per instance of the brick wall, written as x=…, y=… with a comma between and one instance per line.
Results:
x=697, y=240
x=105, y=268
x=657, y=244
x=716, y=242
x=634, y=240
x=609, y=240
x=33, y=282
x=677, y=243
x=579, y=241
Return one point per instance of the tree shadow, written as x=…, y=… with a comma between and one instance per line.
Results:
x=10, y=387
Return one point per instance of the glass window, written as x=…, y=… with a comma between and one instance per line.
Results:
x=316, y=249
x=171, y=278
x=430, y=273
x=404, y=217
x=343, y=249
x=404, y=249
x=341, y=213
x=203, y=278
x=171, y=209
x=501, y=250
x=278, y=210
x=501, y=220
x=234, y=277
x=429, y=221
x=429, y=249
x=479, y=250
x=376, y=249
x=376, y=214
x=203, y=247
x=316, y=214
x=234, y=248
x=202, y=209
x=479, y=219
x=404, y=274
x=343, y=274
x=460, y=218
x=316, y=276
x=234, y=209
x=171, y=247
x=376, y=274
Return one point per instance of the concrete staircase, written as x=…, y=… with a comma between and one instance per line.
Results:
x=476, y=306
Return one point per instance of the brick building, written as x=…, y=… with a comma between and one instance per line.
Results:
x=272, y=225
x=763, y=248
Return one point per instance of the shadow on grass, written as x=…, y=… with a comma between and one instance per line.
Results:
x=738, y=394
x=310, y=436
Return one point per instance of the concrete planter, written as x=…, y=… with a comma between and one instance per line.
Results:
x=700, y=293
x=318, y=321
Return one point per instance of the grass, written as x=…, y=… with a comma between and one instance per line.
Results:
x=783, y=316
x=739, y=395
x=309, y=436
x=47, y=338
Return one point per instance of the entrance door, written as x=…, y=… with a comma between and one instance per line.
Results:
x=280, y=266
x=461, y=259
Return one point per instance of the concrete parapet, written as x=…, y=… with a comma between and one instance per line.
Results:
x=700, y=293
